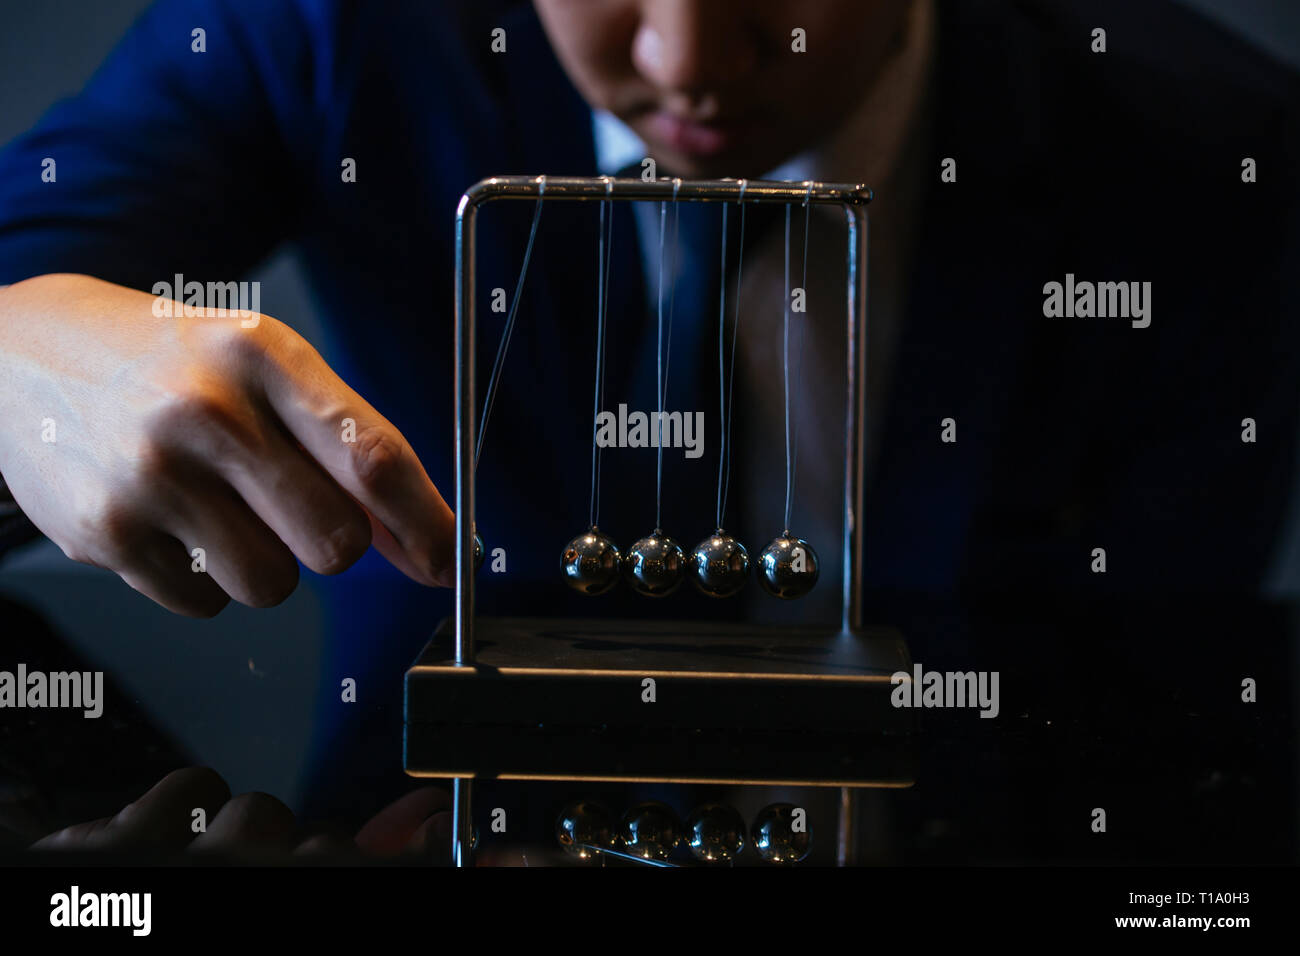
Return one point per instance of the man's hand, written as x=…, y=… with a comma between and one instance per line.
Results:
x=132, y=440
x=256, y=825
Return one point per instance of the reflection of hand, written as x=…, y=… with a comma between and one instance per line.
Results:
x=256, y=825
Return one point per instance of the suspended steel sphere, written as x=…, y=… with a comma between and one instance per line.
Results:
x=720, y=565
x=655, y=565
x=651, y=831
x=788, y=567
x=780, y=834
x=591, y=562
x=715, y=833
x=583, y=825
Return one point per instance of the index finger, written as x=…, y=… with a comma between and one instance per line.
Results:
x=368, y=457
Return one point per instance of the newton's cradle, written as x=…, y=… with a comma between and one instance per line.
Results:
x=549, y=699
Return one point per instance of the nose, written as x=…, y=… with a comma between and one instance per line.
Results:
x=691, y=46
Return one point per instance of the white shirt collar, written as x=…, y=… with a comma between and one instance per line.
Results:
x=616, y=145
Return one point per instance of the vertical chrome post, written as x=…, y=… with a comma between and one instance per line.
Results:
x=856, y=417
x=466, y=214
x=462, y=822
x=466, y=364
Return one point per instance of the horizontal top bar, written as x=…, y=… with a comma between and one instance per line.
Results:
x=595, y=188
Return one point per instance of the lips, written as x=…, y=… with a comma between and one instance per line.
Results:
x=692, y=137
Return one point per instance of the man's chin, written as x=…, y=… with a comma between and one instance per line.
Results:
x=737, y=163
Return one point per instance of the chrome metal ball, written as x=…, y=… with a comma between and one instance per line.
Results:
x=788, y=567
x=583, y=825
x=651, y=831
x=781, y=833
x=478, y=551
x=720, y=565
x=655, y=565
x=591, y=562
x=715, y=833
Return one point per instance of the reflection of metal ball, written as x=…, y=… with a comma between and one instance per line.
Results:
x=582, y=825
x=651, y=831
x=715, y=833
x=788, y=567
x=775, y=836
x=478, y=550
x=591, y=562
x=720, y=564
x=654, y=566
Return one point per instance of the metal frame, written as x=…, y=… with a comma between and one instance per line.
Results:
x=853, y=198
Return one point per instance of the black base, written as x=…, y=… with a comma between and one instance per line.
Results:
x=565, y=700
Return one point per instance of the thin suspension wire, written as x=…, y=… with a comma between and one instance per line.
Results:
x=604, y=254
x=735, y=335
x=722, y=379
x=798, y=362
x=785, y=364
x=664, y=354
x=659, y=349
x=604, y=321
x=672, y=292
x=494, y=381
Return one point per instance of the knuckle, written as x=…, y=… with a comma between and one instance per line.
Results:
x=248, y=341
x=275, y=348
x=199, y=406
x=273, y=337
x=151, y=466
x=341, y=549
x=199, y=409
x=110, y=523
x=376, y=457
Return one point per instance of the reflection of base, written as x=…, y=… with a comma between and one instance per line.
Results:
x=641, y=701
